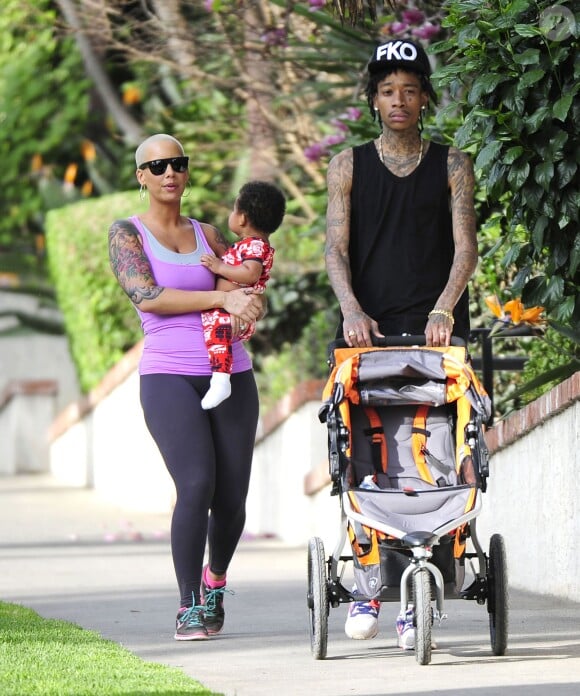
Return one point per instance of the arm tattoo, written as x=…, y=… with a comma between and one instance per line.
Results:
x=218, y=241
x=339, y=182
x=338, y=203
x=130, y=264
x=462, y=185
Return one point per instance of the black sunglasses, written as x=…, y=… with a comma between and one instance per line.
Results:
x=158, y=166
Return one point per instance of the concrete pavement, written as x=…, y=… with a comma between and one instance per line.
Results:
x=68, y=555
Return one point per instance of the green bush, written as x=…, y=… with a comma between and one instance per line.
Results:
x=516, y=83
x=100, y=321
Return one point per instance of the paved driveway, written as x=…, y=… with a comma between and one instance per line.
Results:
x=67, y=555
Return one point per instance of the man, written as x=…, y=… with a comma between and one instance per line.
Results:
x=401, y=243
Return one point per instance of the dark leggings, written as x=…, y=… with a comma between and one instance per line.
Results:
x=209, y=456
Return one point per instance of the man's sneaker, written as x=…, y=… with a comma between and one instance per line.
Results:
x=189, y=624
x=406, y=630
x=362, y=622
x=212, y=599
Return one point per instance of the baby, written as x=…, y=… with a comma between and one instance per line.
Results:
x=258, y=212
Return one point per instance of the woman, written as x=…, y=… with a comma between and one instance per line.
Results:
x=156, y=259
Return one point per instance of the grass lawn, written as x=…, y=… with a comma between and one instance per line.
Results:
x=57, y=658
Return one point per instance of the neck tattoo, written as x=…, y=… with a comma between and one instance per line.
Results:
x=383, y=156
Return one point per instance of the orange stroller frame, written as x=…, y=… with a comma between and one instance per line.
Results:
x=409, y=505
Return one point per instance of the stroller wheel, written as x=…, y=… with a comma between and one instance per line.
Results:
x=423, y=615
x=317, y=599
x=497, y=595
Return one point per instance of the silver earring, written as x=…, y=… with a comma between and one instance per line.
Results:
x=186, y=195
x=376, y=108
x=142, y=192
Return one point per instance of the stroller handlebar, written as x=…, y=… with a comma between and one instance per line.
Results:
x=386, y=341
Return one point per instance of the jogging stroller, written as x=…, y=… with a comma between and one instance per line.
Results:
x=408, y=461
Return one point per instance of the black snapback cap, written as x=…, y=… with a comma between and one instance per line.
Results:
x=401, y=53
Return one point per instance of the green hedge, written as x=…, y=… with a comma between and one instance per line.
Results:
x=100, y=321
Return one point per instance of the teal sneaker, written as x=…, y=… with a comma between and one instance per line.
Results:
x=190, y=624
x=212, y=599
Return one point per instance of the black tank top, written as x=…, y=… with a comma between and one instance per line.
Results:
x=401, y=241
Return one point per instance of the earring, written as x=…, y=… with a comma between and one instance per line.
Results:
x=376, y=108
x=142, y=192
x=186, y=195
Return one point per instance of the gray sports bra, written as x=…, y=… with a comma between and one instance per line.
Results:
x=164, y=254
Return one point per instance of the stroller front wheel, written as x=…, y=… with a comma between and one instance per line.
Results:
x=317, y=599
x=423, y=615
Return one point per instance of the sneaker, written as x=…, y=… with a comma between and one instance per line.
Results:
x=406, y=630
x=362, y=622
x=189, y=624
x=212, y=599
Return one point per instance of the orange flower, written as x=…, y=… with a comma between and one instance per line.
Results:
x=87, y=188
x=131, y=95
x=513, y=314
x=495, y=306
x=71, y=173
x=36, y=163
x=88, y=151
x=532, y=315
x=514, y=310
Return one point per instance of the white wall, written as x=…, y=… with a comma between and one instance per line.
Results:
x=276, y=502
x=111, y=450
x=533, y=500
x=35, y=356
x=24, y=422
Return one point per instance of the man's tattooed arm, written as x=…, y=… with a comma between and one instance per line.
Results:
x=130, y=264
x=339, y=182
x=462, y=185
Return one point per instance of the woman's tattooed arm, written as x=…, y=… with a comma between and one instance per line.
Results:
x=130, y=264
x=215, y=239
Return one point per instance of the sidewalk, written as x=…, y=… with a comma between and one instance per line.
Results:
x=68, y=555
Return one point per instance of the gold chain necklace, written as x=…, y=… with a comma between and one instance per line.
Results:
x=383, y=157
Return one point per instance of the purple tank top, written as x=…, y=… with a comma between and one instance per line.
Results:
x=174, y=342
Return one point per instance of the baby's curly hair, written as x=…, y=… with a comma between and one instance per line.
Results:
x=264, y=205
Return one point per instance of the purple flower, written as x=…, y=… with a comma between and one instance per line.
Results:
x=333, y=139
x=316, y=4
x=399, y=27
x=274, y=37
x=413, y=16
x=208, y=5
x=338, y=124
x=427, y=31
x=314, y=152
x=352, y=113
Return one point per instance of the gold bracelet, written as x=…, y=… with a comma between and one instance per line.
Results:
x=444, y=312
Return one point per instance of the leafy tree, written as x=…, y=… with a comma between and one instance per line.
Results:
x=42, y=102
x=515, y=75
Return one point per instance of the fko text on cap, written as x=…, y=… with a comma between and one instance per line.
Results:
x=401, y=53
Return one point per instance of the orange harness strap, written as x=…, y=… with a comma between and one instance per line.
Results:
x=378, y=440
x=419, y=443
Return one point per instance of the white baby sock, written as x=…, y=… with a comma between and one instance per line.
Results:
x=219, y=390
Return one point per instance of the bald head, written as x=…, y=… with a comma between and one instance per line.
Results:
x=141, y=152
